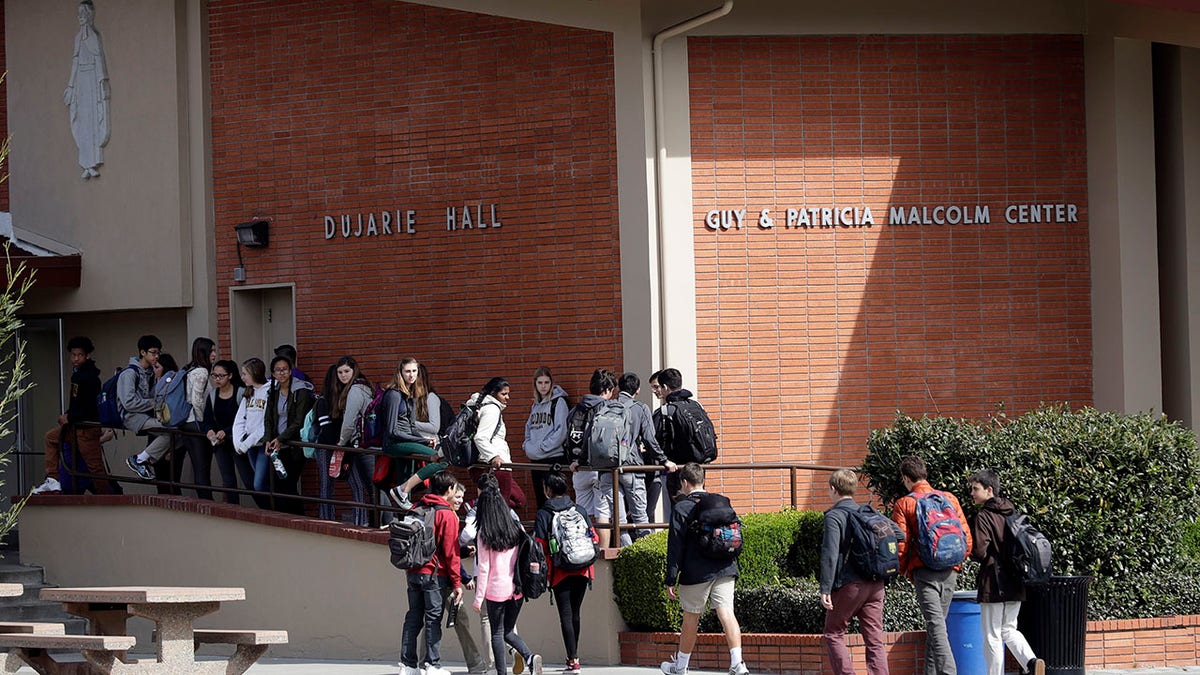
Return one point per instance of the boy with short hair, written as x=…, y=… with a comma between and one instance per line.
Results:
x=633, y=486
x=427, y=584
x=85, y=388
x=935, y=588
x=702, y=580
x=844, y=593
x=1000, y=588
x=135, y=400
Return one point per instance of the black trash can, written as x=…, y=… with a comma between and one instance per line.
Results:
x=1054, y=621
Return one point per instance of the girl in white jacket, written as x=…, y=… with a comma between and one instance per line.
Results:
x=248, y=428
x=490, y=439
x=199, y=449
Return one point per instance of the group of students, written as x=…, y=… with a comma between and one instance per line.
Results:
x=849, y=588
x=490, y=532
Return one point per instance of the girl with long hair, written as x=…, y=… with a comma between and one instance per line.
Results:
x=499, y=539
x=328, y=430
x=220, y=413
x=249, y=425
x=546, y=428
x=288, y=402
x=490, y=439
x=163, y=368
x=348, y=400
x=200, y=450
x=414, y=415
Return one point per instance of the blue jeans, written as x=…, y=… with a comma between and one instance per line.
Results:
x=425, y=592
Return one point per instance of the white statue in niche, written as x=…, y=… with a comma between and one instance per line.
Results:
x=87, y=93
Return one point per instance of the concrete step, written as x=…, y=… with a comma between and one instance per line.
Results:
x=16, y=573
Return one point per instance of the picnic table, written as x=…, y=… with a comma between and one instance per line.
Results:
x=173, y=611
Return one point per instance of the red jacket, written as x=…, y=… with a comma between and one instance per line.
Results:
x=905, y=515
x=445, y=562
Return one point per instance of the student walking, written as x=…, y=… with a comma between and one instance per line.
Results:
x=935, y=588
x=845, y=593
x=499, y=540
x=546, y=428
x=703, y=580
x=198, y=449
x=602, y=387
x=1000, y=588
x=428, y=584
x=491, y=441
x=249, y=425
x=220, y=414
x=288, y=402
x=564, y=531
x=351, y=394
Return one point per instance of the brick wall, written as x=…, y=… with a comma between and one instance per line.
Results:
x=346, y=107
x=810, y=337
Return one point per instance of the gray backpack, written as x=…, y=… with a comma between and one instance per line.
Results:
x=610, y=440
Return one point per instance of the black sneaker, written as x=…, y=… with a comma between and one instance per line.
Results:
x=143, y=471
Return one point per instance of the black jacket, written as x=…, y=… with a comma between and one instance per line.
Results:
x=998, y=580
x=300, y=401
x=685, y=563
x=85, y=387
x=836, y=569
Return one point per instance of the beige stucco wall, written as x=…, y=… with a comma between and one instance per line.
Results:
x=337, y=598
x=133, y=223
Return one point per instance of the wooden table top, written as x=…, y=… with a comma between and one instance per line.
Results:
x=143, y=594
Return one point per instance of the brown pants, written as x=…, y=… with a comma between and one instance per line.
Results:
x=87, y=444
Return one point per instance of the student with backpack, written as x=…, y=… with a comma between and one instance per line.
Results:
x=645, y=451
x=414, y=417
x=322, y=427
x=936, y=540
x=500, y=540
x=546, y=428
x=348, y=400
x=220, y=413
x=848, y=590
x=490, y=439
x=81, y=407
x=602, y=387
x=566, y=535
x=684, y=430
x=135, y=401
x=1000, y=586
x=428, y=581
x=249, y=425
x=288, y=402
x=703, y=577
x=196, y=386
x=170, y=467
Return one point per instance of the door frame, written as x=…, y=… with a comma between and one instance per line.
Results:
x=233, y=290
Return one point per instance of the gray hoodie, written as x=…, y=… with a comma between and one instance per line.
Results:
x=546, y=428
x=134, y=398
x=396, y=408
x=356, y=402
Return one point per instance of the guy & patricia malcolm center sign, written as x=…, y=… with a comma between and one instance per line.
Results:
x=828, y=217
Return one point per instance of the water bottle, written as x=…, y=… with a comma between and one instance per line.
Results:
x=278, y=464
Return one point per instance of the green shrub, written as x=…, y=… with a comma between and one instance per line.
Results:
x=952, y=450
x=1190, y=540
x=639, y=588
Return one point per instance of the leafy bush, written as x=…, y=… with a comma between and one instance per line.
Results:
x=776, y=546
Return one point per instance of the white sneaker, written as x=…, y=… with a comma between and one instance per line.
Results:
x=435, y=670
x=535, y=664
x=51, y=485
x=405, y=670
x=670, y=668
x=739, y=669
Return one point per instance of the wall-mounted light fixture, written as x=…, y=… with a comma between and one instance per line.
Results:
x=254, y=234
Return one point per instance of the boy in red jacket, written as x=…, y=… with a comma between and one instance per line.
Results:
x=426, y=584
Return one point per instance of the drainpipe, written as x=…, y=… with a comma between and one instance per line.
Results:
x=661, y=155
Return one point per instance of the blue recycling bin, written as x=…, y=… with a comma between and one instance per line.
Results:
x=966, y=634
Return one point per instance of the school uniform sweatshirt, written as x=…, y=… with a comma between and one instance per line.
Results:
x=249, y=425
x=356, y=402
x=85, y=387
x=494, y=572
x=490, y=433
x=546, y=428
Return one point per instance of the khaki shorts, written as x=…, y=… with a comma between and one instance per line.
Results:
x=717, y=593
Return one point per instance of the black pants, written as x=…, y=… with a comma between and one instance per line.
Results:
x=568, y=597
x=503, y=617
x=232, y=463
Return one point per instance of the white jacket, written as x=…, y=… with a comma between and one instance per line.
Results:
x=197, y=392
x=489, y=434
x=248, y=426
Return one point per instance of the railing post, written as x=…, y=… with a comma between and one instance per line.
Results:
x=616, y=507
x=795, y=494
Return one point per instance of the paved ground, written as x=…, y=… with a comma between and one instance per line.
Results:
x=308, y=667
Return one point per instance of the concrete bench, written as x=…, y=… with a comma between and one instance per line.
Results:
x=240, y=637
x=34, y=628
x=101, y=652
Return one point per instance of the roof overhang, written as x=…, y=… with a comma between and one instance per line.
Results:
x=56, y=264
x=1177, y=5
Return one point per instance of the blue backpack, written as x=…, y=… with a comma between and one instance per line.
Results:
x=170, y=399
x=106, y=402
x=941, y=539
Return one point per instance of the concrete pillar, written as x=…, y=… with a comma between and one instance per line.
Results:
x=1126, y=333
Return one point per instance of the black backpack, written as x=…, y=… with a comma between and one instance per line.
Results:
x=458, y=441
x=873, y=544
x=716, y=526
x=691, y=435
x=445, y=414
x=532, y=570
x=411, y=539
x=1028, y=549
x=578, y=422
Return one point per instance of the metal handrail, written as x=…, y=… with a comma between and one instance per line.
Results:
x=376, y=509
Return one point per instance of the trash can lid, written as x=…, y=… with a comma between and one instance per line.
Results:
x=965, y=596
